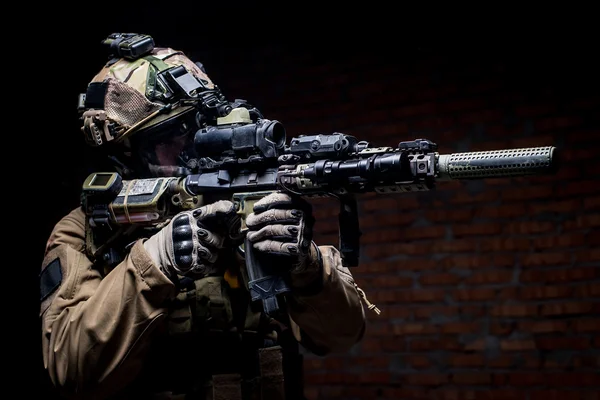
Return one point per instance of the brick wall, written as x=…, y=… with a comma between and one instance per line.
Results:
x=488, y=290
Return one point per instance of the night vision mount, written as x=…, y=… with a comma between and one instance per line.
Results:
x=130, y=46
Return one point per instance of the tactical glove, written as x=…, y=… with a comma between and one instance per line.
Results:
x=281, y=226
x=190, y=243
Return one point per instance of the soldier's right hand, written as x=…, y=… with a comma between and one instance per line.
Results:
x=190, y=243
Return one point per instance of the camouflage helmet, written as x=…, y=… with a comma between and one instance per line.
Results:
x=138, y=102
x=127, y=96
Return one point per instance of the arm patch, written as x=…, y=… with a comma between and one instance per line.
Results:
x=50, y=279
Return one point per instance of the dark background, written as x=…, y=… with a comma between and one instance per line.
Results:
x=488, y=290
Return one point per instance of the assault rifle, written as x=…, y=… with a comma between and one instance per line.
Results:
x=245, y=159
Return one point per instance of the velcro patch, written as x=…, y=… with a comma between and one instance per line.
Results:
x=94, y=97
x=50, y=279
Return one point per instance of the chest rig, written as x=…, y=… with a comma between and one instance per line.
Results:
x=220, y=344
x=240, y=352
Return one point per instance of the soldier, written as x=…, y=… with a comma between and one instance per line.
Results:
x=172, y=318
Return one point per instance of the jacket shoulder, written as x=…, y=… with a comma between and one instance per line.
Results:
x=69, y=230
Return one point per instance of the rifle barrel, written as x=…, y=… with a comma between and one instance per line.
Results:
x=497, y=163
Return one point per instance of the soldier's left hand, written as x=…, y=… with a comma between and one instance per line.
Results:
x=282, y=226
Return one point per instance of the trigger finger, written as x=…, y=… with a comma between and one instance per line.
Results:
x=284, y=233
x=275, y=247
x=258, y=220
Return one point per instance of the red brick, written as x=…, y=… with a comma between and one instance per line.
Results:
x=429, y=295
x=414, y=329
x=490, y=277
x=514, y=310
x=559, y=275
x=483, y=229
x=566, y=308
x=562, y=343
x=454, y=215
x=525, y=379
x=527, y=227
x=505, y=244
x=588, y=290
x=453, y=246
x=395, y=312
x=473, y=311
x=478, y=261
x=548, y=326
x=501, y=212
x=383, y=236
x=377, y=377
x=558, y=122
x=425, y=379
x=587, y=256
x=394, y=219
x=394, y=266
x=466, y=360
x=544, y=292
x=427, y=345
x=471, y=378
x=440, y=279
x=502, y=361
x=578, y=154
x=390, y=281
x=591, y=203
x=428, y=232
x=417, y=361
x=583, y=222
x=480, y=117
x=593, y=238
x=558, y=241
x=385, y=203
x=517, y=345
x=407, y=296
x=461, y=327
x=540, y=259
x=507, y=293
x=380, y=328
x=477, y=294
x=586, y=325
x=586, y=361
x=528, y=193
x=502, y=328
x=398, y=393
x=573, y=379
x=381, y=251
x=426, y=312
x=561, y=206
x=462, y=197
x=392, y=346
x=579, y=188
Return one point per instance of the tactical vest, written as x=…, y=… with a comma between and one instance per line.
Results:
x=231, y=350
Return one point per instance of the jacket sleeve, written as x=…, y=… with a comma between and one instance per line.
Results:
x=96, y=329
x=330, y=318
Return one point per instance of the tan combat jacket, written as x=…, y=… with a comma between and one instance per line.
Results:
x=97, y=329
